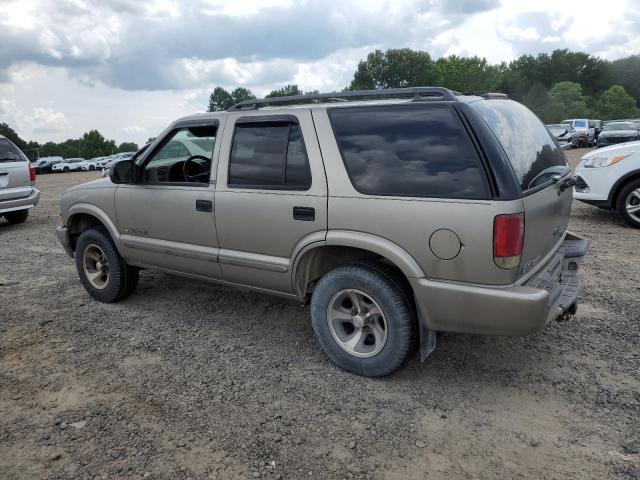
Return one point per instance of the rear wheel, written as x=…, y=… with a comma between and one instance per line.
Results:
x=628, y=203
x=103, y=272
x=18, y=216
x=363, y=320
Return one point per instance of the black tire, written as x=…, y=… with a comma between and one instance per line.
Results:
x=65, y=169
x=621, y=203
x=379, y=284
x=18, y=216
x=122, y=279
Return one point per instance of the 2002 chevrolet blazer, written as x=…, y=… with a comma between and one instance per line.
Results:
x=398, y=213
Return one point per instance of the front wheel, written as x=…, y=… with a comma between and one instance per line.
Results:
x=363, y=319
x=628, y=204
x=103, y=272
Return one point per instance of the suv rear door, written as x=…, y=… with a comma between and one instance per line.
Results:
x=15, y=179
x=271, y=196
x=539, y=166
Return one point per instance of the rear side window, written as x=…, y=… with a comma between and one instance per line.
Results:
x=532, y=151
x=270, y=156
x=10, y=153
x=408, y=150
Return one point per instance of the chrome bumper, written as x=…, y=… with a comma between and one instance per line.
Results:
x=62, y=232
x=21, y=203
x=520, y=309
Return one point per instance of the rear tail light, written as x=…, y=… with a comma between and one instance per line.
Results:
x=32, y=173
x=508, y=239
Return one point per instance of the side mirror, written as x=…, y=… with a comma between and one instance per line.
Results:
x=123, y=172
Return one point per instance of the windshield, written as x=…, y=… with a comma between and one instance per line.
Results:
x=580, y=123
x=533, y=153
x=619, y=126
x=558, y=129
x=10, y=153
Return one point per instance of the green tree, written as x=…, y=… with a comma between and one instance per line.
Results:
x=10, y=133
x=151, y=140
x=626, y=73
x=127, y=147
x=542, y=104
x=616, y=103
x=286, y=91
x=220, y=99
x=568, y=96
x=467, y=74
x=93, y=144
x=394, y=68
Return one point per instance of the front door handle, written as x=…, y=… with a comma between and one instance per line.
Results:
x=305, y=214
x=204, y=205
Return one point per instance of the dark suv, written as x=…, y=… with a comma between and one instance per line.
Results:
x=396, y=213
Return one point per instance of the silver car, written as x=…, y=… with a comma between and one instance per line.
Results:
x=17, y=183
x=395, y=213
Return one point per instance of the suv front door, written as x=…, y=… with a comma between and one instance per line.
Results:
x=166, y=219
x=271, y=197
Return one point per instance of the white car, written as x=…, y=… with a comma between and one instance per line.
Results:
x=609, y=178
x=69, y=165
x=89, y=165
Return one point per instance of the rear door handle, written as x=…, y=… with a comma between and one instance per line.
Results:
x=305, y=214
x=204, y=205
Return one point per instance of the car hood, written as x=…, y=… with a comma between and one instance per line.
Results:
x=99, y=183
x=620, y=149
x=619, y=133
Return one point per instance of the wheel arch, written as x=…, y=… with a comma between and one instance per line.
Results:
x=83, y=216
x=620, y=184
x=341, y=247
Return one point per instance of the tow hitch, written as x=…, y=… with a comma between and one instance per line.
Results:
x=567, y=313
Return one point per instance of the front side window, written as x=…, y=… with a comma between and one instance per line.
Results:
x=184, y=157
x=411, y=150
x=269, y=155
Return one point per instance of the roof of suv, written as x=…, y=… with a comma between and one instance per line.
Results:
x=351, y=99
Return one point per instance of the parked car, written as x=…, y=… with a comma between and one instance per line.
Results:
x=116, y=158
x=102, y=163
x=609, y=178
x=44, y=164
x=597, y=127
x=618, y=132
x=395, y=219
x=586, y=135
x=68, y=165
x=564, y=134
x=91, y=164
x=18, y=192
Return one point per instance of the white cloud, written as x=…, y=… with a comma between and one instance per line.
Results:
x=72, y=65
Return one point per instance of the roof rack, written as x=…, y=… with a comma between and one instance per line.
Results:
x=417, y=92
x=494, y=95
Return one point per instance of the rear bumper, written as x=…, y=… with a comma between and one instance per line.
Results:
x=519, y=309
x=62, y=232
x=21, y=203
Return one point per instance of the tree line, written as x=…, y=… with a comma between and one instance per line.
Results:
x=90, y=145
x=563, y=84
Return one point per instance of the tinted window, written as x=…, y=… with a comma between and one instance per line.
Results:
x=408, y=150
x=580, y=123
x=269, y=155
x=532, y=152
x=10, y=153
x=619, y=126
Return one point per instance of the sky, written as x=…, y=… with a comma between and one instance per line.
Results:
x=129, y=67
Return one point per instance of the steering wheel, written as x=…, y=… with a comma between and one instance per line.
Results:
x=199, y=162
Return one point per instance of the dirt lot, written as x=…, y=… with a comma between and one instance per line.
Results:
x=189, y=380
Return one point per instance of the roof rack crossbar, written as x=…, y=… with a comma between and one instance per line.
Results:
x=417, y=92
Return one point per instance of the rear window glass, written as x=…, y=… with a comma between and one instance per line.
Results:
x=10, y=153
x=408, y=150
x=533, y=154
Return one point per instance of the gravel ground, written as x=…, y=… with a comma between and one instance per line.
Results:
x=189, y=380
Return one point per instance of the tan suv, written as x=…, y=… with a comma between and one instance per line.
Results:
x=397, y=213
